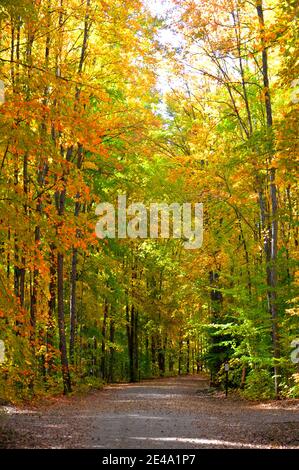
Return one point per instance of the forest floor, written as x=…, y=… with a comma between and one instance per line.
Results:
x=167, y=413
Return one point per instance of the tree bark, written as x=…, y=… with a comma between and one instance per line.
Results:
x=271, y=246
x=73, y=281
x=111, y=349
x=61, y=326
x=103, y=348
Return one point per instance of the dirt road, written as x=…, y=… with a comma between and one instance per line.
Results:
x=164, y=413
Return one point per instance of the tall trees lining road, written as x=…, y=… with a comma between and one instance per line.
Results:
x=84, y=121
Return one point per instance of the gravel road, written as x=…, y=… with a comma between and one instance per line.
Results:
x=170, y=413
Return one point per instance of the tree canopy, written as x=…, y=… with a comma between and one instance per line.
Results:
x=198, y=103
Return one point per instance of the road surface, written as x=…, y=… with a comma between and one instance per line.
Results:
x=168, y=413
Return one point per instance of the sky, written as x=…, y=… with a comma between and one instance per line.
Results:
x=161, y=8
x=158, y=7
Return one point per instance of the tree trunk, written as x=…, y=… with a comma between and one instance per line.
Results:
x=111, y=356
x=135, y=345
x=153, y=353
x=73, y=306
x=104, y=326
x=188, y=356
x=271, y=246
x=180, y=354
x=61, y=326
x=73, y=303
x=51, y=309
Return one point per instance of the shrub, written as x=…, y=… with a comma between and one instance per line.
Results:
x=259, y=384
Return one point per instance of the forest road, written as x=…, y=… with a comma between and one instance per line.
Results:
x=167, y=413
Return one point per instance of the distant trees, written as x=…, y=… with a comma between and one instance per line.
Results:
x=83, y=121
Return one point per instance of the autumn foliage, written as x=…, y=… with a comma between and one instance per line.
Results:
x=85, y=118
